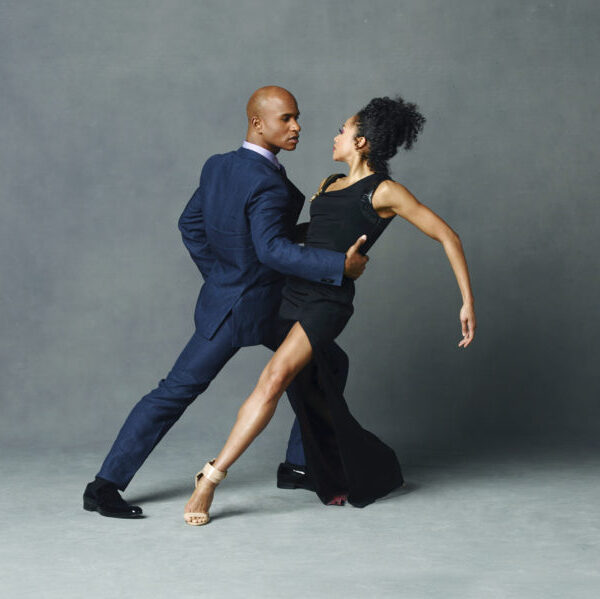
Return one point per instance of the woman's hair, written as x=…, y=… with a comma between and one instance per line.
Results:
x=388, y=124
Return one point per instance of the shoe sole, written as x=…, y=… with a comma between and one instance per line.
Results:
x=91, y=506
x=293, y=486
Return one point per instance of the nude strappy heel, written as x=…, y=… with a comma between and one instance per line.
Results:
x=214, y=476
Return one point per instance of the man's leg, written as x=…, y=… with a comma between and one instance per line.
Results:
x=294, y=454
x=151, y=418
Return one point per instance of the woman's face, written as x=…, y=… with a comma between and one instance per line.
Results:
x=344, y=142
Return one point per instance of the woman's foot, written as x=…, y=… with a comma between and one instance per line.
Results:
x=196, y=509
x=200, y=502
x=338, y=500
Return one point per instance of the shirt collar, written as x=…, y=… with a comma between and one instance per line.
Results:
x=262, y=151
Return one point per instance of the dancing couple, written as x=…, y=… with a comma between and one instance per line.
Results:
x=290, y=287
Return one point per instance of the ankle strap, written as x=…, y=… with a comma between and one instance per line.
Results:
x=213, y=475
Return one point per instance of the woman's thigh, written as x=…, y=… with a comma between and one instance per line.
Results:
x=294, y=353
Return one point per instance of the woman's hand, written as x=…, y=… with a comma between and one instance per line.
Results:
x=468, y=324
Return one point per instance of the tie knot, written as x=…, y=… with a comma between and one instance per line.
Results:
x=282, y=171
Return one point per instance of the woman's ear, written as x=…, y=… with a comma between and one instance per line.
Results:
x=360, y=142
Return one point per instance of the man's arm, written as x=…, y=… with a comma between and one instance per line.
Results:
x=193, y=233
x=267, y=210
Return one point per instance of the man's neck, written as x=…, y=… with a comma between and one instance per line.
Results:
x=262, y=151
x=258, y=140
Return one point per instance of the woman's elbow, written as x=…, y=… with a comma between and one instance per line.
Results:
x=449, y=236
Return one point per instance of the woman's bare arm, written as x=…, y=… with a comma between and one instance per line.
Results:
x=392, y=198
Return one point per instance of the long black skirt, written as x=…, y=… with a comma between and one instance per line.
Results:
x=342, y=457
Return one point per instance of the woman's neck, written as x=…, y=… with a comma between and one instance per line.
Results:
x=358, y=169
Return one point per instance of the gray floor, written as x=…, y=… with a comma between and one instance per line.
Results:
x=523, y=524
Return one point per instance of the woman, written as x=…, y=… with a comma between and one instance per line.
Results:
x=345, y=460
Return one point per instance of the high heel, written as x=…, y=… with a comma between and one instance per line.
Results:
x=213, y=475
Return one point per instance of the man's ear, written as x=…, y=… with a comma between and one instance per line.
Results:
x=256, y=123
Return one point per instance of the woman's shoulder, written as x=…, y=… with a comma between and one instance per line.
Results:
x=387, y=186
x=389, y=193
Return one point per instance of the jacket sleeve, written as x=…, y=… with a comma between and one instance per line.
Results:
x=193, y=233
x=268, y=210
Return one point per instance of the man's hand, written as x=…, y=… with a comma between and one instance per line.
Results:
x=355, y=263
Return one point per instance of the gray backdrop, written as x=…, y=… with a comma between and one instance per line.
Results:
x=108, y=111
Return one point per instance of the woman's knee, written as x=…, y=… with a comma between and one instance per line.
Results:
x=276, y=380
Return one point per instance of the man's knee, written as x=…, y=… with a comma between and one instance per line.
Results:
x=178, y=391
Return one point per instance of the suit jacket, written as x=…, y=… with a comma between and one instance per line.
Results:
x=237, y=228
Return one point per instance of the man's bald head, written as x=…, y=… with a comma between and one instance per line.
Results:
x=264, y=96
x=273, y=119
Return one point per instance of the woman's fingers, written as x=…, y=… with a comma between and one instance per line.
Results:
x=468, y=331
x=465, y=328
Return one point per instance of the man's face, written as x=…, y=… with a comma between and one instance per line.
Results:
x=279, y=125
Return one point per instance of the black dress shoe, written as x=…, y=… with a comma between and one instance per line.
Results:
x=106, y=500
x=291, y=476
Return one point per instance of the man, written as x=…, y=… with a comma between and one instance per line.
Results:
x=237, y=227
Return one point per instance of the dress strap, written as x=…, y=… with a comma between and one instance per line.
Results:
x=326, y=183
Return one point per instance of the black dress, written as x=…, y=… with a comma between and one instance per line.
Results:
x=343, y=457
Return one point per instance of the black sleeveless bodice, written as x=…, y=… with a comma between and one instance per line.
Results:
x=337, y=219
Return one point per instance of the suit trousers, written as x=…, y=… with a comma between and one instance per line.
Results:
x=195, y=368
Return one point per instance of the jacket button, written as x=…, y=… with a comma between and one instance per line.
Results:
x=327, y=280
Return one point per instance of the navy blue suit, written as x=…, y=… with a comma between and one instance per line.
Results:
x=237, y=227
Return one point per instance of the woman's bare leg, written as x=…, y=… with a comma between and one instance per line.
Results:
x=290, y=358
